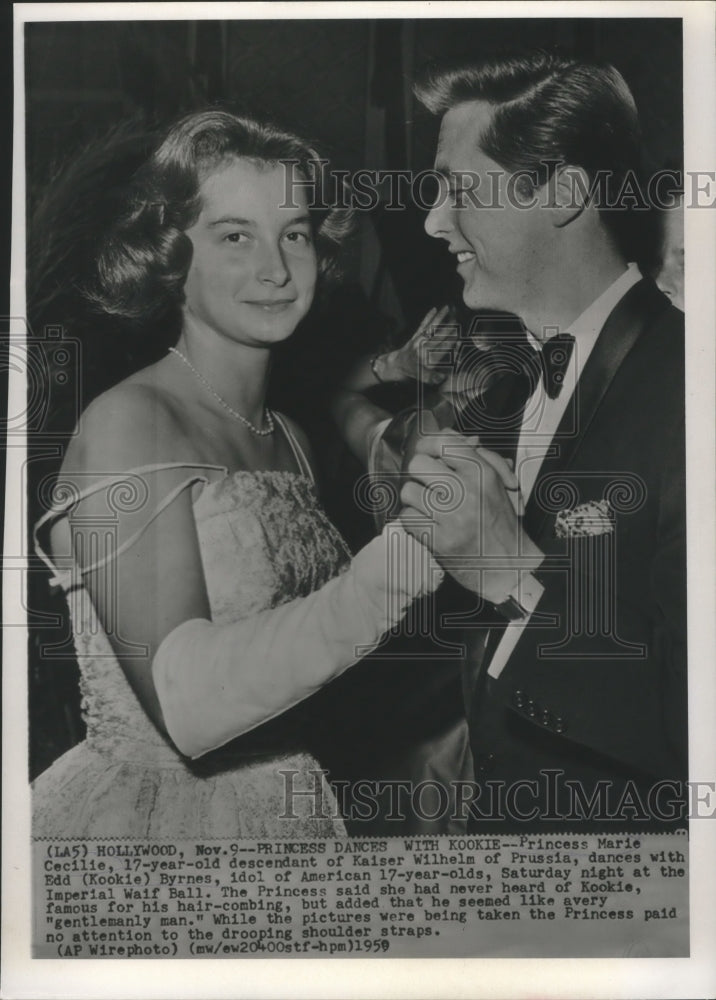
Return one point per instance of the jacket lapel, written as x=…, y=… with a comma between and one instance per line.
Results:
x=618, y=336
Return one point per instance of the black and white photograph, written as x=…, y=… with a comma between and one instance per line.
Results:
x=360, y=499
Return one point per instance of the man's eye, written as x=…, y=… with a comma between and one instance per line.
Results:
x=235, y=238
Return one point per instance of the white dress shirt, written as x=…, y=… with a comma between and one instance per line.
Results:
x=540, y=421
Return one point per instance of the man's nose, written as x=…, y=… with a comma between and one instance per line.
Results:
x=439, y=222
x=272, y=266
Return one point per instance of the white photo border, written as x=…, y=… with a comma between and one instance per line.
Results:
x=695, y=976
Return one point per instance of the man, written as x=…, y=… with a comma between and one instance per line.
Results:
x=575, y=674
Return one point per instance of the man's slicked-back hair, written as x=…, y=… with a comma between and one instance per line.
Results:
x=550, y=109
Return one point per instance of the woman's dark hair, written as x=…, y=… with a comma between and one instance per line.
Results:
x=550, y=109
x=144, y=259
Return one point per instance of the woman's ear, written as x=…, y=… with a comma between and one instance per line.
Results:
x=570, y=194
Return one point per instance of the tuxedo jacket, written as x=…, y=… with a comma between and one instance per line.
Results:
x=595, y=690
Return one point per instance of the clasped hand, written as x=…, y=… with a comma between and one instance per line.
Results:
x=461, y=492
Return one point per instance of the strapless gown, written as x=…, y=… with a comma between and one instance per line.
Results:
x=264, y=541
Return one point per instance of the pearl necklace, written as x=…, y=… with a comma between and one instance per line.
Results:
x=270, y=426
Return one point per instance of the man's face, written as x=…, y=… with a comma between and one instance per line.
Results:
x=500, y=245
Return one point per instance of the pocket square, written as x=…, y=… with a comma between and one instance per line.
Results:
x=595, y=517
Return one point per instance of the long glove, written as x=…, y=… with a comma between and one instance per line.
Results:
x=215, y=682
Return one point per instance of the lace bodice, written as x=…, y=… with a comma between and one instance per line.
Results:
x=264, y=540
x=270, y=525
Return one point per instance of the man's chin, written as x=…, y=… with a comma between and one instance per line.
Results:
x=479, y=300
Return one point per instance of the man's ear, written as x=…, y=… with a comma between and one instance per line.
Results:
x=569, y=194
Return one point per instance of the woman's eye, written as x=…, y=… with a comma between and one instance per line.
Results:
x=299, y=238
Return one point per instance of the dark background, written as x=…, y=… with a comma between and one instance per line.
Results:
x=345, y=84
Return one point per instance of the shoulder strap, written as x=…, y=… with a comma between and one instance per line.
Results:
x=298, y=452
x=72, y=497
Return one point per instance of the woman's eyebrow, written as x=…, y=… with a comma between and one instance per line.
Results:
x=298, y=220
x=232, y=220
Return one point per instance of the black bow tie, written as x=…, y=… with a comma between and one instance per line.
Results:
x=554, y=359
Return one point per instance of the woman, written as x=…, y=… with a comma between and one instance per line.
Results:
x=208, y=591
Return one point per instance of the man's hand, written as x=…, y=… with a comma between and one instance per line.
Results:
x=477, y=536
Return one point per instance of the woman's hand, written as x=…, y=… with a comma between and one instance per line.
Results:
x=422, y=358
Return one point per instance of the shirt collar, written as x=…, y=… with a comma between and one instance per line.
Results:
x=591, y=321
x=595, y=316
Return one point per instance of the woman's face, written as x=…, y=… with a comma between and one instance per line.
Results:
x=253, y=269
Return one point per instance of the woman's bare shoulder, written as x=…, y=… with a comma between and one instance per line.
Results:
x=135, y=423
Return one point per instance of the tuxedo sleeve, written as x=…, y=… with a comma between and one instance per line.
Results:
x=618, y=691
